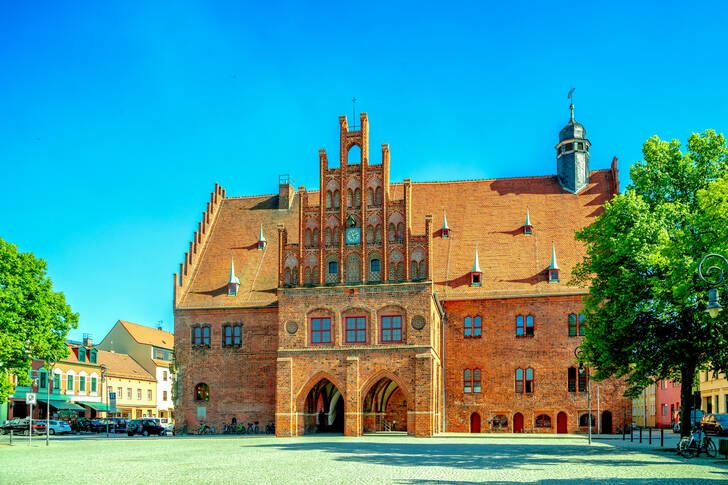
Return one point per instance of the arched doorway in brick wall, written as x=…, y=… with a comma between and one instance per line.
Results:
x=324, y=409
x=518, y=423
x=384, y=407
x=561, y=423
x=475, y=423
x=606, y=422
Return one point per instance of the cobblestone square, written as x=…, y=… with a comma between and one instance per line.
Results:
x=341, y=460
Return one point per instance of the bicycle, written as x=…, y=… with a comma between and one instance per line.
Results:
x=270, y=428
x=695, y=444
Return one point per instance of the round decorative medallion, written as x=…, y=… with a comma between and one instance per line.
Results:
x=418, y=322
x=291, y=327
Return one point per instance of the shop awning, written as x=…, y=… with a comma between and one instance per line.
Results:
x=95, y=405
x=63, y=405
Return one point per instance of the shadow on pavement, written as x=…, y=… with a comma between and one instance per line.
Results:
x=587, y=481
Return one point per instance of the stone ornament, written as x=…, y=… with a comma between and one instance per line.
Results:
x=291, y=327
x=418, y=322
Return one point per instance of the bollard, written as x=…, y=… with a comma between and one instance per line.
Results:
x=631, y=433
x=649, y=433
x=624, y=433
x=640, y=435
x=662, y=437
x=11, y=436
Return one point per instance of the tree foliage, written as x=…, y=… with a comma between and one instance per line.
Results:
x=34, y=319
x=646, y=303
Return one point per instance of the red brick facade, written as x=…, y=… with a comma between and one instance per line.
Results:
x=346, y=306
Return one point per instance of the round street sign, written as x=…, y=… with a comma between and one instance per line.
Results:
x=30, y=398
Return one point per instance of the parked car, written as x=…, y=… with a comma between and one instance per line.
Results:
x=81, y=424
x=170, y=429
x=144, y=427
x=97, y=426
x=116, y=425
x=21, y=426
x=696, y=415
x=59, y=427
x=715, y=424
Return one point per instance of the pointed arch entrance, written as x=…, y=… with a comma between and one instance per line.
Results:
x=324, y=409
x=475, y=423
x=518, y=423
x=384, y=407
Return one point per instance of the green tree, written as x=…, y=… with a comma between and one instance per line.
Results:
x=34, y=319
x=646, y=304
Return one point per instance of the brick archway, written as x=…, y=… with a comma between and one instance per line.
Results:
x=384, y=404
x=320, y=405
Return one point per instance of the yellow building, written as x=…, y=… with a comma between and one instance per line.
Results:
x=644, y=408
x=713, y=392
x=135, y=388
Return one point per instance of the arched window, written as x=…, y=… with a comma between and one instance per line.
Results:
x=583, y=379
x=582, y=324
x=370, y=234
x=337, y=199
x=370, y=196
x=307, y=276
x=584, y=420
x=336, y=236
x=287, y=276
x=328, y=200
x=468, y=327
x=467, y=381
x=294, y=275
x=328, y=236
x=349, y=198
x=423, y=272
x=315, y=275
x=529, y=380
x=519, y=381
x=315, y=238
x=400, y=271
x=477, y=327
x=400, y=231
x=392, y=232
x=357, y=197
x=378, y=233
x=202, y=392
x=543, y=421
x=378, y=196
x=307, y=238
x=572, y=379
x=353, y=268
x=520, y=331
x=414, y=273
x=476, y=380
x=572, y=325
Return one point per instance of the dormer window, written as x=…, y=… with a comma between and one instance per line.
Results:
x=234, y=282
x=232, y=289
x=92, y=356
x=475, y=274
x=445, y=231
x=475, y=279
x=261, y=240
x=553, y=276
x=554, y=267
x=81, y=354
x=528, y=227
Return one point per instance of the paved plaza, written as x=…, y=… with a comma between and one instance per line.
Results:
x=334, y=459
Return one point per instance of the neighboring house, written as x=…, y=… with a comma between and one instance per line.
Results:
x=135, y=388
x=644, y=407
x=668, y=402
x=714, y=392
x=152, y=348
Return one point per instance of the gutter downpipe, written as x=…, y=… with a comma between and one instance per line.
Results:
x=443, y=317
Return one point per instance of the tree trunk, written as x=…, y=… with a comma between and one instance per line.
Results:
x=687, y=376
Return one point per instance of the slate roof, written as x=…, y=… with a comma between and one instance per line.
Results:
x=486, y=213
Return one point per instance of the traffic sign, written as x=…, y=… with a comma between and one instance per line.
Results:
x=30, y=398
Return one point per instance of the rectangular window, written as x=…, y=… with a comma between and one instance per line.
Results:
x=164, y=375
x=69, y=383
x=519, y=381
x=149, y=395
x=93, y=384
x=477, y=329
x=43, y=380
x=467, y=381
x=529, y=326
x=128, y=393
x=159, y=354
x=376, y=265
x=529, y=380
x=56, y=382
x=356, y=329
x=81, y=383
x=321, y=330
x=333, y=267
x=206, y=336
x=139, y=394
x=520, y=328
x=392, y=328
x=164, y=395
x=476, y=380
x=81, y=354
x=583, y=377
x=572, y=379
x=468, y=327
x=92, y=356
x=227, y=336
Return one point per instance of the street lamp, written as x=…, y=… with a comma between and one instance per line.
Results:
x=49, y=380
x=105, y=393
x=583, y=372
x=718, y=275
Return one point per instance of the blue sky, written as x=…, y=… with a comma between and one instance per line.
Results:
x=116, y=119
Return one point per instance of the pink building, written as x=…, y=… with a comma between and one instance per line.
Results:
x=668, y=403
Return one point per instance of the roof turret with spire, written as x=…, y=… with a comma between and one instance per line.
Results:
x=572, y=156
x=261, y=239
x=554, y=267
x=445, y=231
x=475, y=273
x=233, y=281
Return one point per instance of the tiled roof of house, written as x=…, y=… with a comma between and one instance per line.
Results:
x=488, y=214
x=149, y=335
x=122, y=365
x=161, y=363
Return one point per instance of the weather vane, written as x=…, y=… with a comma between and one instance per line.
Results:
x=570, y=96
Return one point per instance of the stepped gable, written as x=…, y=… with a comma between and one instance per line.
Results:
x=489, y=214
x=235, y=230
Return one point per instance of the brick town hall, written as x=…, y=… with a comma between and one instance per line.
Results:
x=369, y=305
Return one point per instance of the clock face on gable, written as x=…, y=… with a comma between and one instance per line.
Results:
x=353, y=235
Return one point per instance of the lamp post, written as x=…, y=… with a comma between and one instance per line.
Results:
x=104, y=392
x=583, y=372
x=714, y=276
x=49, y=380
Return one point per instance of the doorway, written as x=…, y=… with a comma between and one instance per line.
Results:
x=561, y=426
x=518, y=423
x=606, y=422
x=475, y=423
